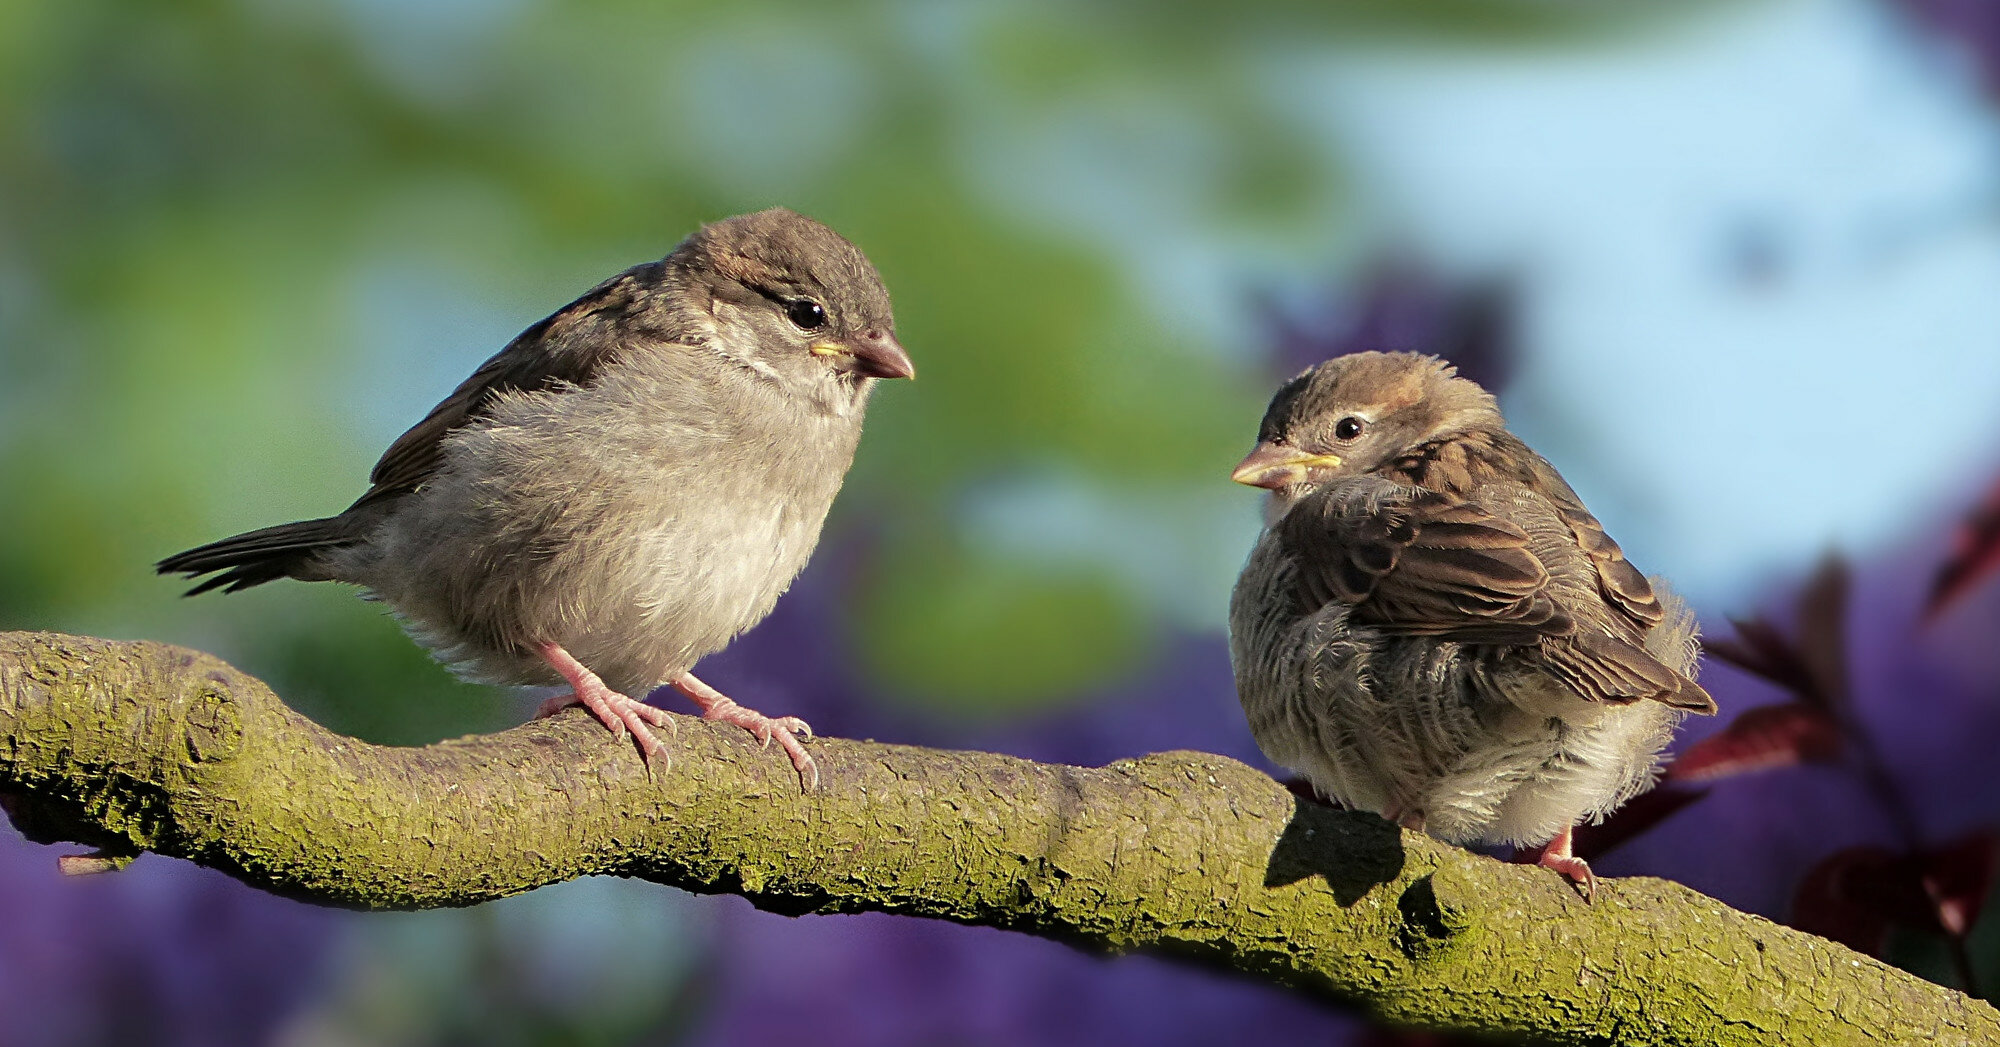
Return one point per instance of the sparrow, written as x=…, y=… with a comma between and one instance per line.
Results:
x=1432, y=626
x=626, y=487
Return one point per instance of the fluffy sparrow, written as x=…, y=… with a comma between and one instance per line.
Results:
x=625, y=487
x=1434, y=628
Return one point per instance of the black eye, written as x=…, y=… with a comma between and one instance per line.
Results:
x=1347, y=428
x=806, y=314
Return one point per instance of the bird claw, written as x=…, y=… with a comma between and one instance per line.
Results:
x=1576, y=871
x=766, y=729
x=1555, y=855
x=1411, y=818
x=623, y=716
x=620, y=714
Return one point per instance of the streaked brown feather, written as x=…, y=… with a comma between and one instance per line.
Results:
x=1465, y=461
x=1424, y=563
x=1622, y=584
x=542, y=356
x=1437, y=563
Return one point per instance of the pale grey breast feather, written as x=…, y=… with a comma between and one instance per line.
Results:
x=617, y=555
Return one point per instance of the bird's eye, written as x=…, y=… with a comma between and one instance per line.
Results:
x=1347, y=428
x=805, y=314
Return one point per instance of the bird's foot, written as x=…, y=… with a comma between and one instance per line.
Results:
x=619, y=713
x=784, y=730
x=1556, y=855
x=1411, y=818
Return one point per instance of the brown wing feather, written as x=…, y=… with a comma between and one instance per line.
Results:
x=1416, y=554
x=1606, y=668
x=546, y=354
x=1462, y=463
x=1422, y=563
x=1621, y=583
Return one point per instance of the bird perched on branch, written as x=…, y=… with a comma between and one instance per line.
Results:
x=625, y=487
x=1433, y=627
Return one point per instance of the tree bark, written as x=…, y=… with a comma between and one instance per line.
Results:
x=133, y=747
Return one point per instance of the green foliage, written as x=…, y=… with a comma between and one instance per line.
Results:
x=242, y=244
x=994, y=636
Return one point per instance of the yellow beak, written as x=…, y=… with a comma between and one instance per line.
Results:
x=871, y=354
x=1273, y=465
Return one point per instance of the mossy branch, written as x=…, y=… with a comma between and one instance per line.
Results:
x=134, y=747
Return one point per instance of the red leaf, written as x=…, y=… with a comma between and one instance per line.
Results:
x=1642, y=813
x=1975, y=553
x=1854, y=895
x=1956, y=877
x=1761, y=650
x=1814, y=668
x=1759, y=739
x=1833, y=903
x=1823, y=631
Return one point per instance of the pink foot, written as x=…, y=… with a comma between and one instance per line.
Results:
x=783, y=729
x=1408, y=817
x=615, y=711
x=1555, y=855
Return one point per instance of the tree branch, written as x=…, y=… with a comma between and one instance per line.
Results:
x=142, y=746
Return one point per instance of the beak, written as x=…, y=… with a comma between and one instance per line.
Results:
x=1273, y=465
x=871, y=354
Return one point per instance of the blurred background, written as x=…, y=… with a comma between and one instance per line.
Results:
x=1732, y=267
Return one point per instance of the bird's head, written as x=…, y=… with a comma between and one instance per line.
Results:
x=794, y=301
x=1354, y=414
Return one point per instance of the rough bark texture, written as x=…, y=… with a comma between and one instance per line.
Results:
x=142, y=746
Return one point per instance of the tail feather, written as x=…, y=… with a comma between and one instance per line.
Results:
x=256, y=557
x=1607, y=669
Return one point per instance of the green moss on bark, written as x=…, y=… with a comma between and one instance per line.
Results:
x=139, y=746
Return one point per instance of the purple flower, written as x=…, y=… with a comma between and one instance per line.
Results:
x=1972, y=26
x=881, y=980
x=1402, y=307
x=162, y=952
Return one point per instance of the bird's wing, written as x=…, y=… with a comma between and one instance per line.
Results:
x=1416, y=562
x=568, y=347
x=1604, y=667
x=1420, y=562
x=1620, y=582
